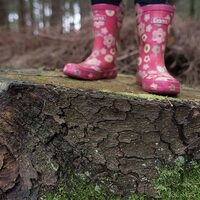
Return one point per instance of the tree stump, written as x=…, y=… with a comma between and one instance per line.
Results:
x=109, y=129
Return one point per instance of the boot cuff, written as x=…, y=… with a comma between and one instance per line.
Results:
x=155, y=7
x=105, y=7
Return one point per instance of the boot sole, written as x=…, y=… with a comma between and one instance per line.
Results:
x=85, y=74
x=160, y=90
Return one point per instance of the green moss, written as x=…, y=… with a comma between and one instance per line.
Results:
x=148, y=96
x=180, y=182
x=123, y=85
x=79, y=188
x=177, y=182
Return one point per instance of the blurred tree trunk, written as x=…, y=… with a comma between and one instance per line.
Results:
x=56, y=17
x=84, y=9
x=32, y=15
x=43, y=13
x=71, y=12
x=3, y=15
x=22, y=15
x=192, y=8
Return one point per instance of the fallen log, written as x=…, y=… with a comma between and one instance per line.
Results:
x=109, y=129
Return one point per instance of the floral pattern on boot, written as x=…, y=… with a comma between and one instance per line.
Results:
x=154, y=22
x=101, y=63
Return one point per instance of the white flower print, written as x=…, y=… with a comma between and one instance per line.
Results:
x=164, y=79
x=103, y=51
x=151, y=77
x=141, y=28
x=142, y=74
x=146, y=17
x=90, y=75
x=98, y=24
x=145, y=66
x=151, y=72
x=172, y=87
x=156, y=49
x=144, y=37
x=158, y=25
x=93, y=61
x=168, y=17
x=77, y=71
x=95, y=53
x=109, y=58
x=146, y=59
x=113, y=51
x=161, y=69
x=109, y=40
x=96, y=68
x=139, y=61
x=154, y=86
x=149, y=28
x=147, y=48
x=104, y=30
x=110, y=13
x=168, y=76
x=159, y=35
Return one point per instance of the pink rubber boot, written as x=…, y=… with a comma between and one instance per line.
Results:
x=154, y=22
x=101, y=63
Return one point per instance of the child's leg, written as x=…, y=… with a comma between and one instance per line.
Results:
x=154, y=22
x=101, y=63
x=147, y=2
x=113, y=2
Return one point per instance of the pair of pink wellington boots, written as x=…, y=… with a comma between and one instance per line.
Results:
x=153, y=23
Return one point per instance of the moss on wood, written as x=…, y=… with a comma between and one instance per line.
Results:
x=123, y=85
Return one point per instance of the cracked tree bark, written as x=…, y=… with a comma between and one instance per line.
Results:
x=118, y=139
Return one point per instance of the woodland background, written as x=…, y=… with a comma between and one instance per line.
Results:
x=46, y=34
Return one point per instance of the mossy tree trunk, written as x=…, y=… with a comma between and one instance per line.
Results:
x=119, y=140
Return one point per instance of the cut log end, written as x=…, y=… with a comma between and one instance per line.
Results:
x=108, y=128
